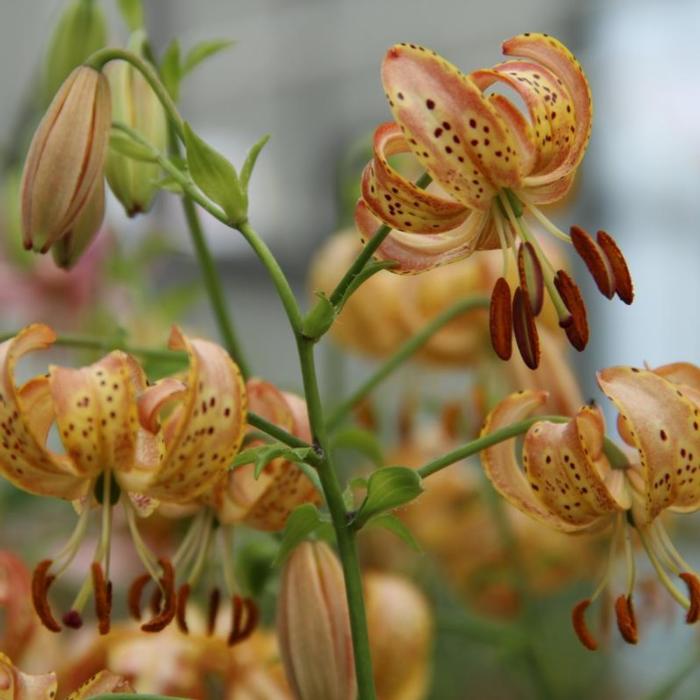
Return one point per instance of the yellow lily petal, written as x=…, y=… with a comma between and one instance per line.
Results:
x=15, y=685
x=102, y=683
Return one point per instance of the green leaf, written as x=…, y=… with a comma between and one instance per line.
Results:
x=200, y=52
x=363, y=441
x=215, y=176
x=121, y=143
x=388, y=488
x=394, y=524
x=251, y=159
x=301, y=524
x=262, y=455
x=170, y=70
x=132, y=13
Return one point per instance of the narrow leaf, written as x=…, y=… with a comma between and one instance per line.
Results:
x=391, y=522
x=132, y=13
x=170, y=69
x=215, y=176
x=303, y=521
x=200, y=52
x=121, y=143
x=251, y=159
x=388, y=488
x=361, y=440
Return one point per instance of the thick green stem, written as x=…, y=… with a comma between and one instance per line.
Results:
x=346, y=539
x=100, y=58
x=338, y=294
x=409, y=348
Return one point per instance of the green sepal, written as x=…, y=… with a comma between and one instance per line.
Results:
x=215, y=176
x=251, y=159
x=388, y=488
x=359, y=439
x=170, y=69
x=302, y=523
x=132, y=13
x=200, y=52
x=394, y=524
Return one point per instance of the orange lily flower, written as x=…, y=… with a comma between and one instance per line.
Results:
x=574, y=480
x=107, y=421
x=492, y=164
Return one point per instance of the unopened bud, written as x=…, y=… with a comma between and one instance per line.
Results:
x=400, y=636
x=64, y=166
x=135, y=182
x=81, y=30
x=313, y=625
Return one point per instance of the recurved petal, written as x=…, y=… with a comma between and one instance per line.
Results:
x=25, y=417
x=15, y=685
x=15, y=601
x=553, y=55
x=664, y=425
x=415, y=253
x=501, y=465
x=398, y=202
x=205, y=430
x=686, y=375
x=452, y=128
x=102, y=683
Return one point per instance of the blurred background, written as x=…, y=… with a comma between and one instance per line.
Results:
x=307, y=72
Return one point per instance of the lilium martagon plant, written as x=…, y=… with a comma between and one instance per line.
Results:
x=116, y=449
x=575, y=480
x=494, y=167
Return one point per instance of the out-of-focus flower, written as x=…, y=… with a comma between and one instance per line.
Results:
x=313, y=625
x=20, y=623
x=491, y=165
x=81, y=30
x=265, y=502
x=134, y=182
x=107, y=420
x=63, y=173
x=400, y=635
x=576, y=481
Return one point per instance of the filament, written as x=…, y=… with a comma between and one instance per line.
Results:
x=661, y=572
x=546, y=223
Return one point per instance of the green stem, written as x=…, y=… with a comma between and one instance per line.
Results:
x=282, y=436
x=100, y=58
x=409, y=348
x=338, y=294
x=345, y=536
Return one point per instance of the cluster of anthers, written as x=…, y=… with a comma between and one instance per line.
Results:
x=146, y=446
x=574, y=479
x=492, y=168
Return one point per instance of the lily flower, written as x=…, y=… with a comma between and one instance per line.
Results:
x=107, y=420
x=492, y=165
x=575, y=480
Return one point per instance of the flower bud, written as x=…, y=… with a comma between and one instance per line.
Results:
x=135, y=104
x=400, y=636
x=81, y=30
x=65, y=162
x=313, y=625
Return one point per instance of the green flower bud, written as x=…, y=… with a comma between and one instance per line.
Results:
x=134, y=103
x=81, y=30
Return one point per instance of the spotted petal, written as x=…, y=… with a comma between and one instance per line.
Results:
x=452, y=128
x=26, y=415
x=664, y=426
x=266, y=502
x=204, y=432
x=15, y=685
x=554, y=56
x=102, y=683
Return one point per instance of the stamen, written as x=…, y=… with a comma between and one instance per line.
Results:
x=503, y=240
x=134, y=596
x=103, y=598
x=148, y=559
x=623, y=280
x=595, y=260
x=525, y=329
x=531, y=276
x=181, y=611
x=214, y=600
x=578, y=620
x=501, y=319
x=167, y=613
x=626, y=623
x=661, y=573
x=41, y=582
x=693, y=583
x=544, y=221
x=241, y=630
x=71, y=547
x=576, y=325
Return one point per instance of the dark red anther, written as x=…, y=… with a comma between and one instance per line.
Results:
x=576, y=326
x=181, y=610
x=103, y=602
x=501, y=319
x=134, y=596
x=214, y=600
x=623, y=280
x=693, y=584
x=41, y=582
x=245, y=616
x=525, y=329
x=169, y=603
x=626, y=623
x=596, y=261
x=578, y=618
x=531, y=276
